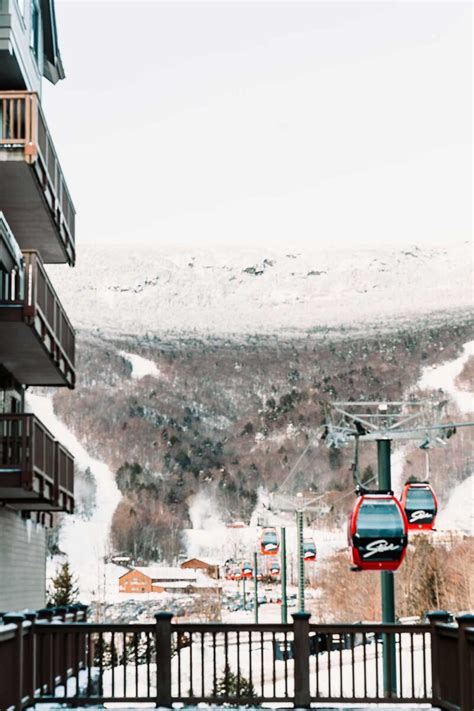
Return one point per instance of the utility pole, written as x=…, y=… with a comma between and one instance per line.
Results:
x=284, y=598
x=387, y=582
x=255, y=585
x=299, y=537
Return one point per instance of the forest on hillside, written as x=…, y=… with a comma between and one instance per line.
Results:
x=229, y=416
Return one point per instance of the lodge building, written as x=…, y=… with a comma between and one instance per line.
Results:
x=159, y=579
x=37, y=341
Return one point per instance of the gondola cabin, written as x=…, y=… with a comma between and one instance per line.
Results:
x=269, y=543
x=309, y=551
x=377, y=532
x=275, y=570
x=247, y=570
x=236, y=573
x=420, y=505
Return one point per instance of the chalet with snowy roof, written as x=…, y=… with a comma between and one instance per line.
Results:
x=208, y=567
x=155, y=579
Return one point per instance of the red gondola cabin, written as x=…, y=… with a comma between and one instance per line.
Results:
x=269, y=543
x=420, y=505
x=309, y=551
x=275, y=570
x=236, y=573
x=377, y=532
x=247, y=570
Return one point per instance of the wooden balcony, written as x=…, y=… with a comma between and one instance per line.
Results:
x=34, y=194
x=36, y=471
x=37, y=341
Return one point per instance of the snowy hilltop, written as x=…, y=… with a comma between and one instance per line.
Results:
x=136, y=288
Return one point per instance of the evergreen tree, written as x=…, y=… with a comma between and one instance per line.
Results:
x=234, y=686
x=64, y=590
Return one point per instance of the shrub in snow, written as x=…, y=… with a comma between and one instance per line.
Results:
x=235, y=689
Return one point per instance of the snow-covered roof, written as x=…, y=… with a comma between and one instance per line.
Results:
x=206, y=561
x=183, y=585
x=157, y=573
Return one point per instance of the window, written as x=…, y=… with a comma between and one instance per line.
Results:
x=379, y=518
x=420, y=499
x=35, y=29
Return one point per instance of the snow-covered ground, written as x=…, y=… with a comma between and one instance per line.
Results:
x=193, y=670
x=141, y=366
x=458, y=514
x=135, y=289
x=85, y=542
x=444, y=377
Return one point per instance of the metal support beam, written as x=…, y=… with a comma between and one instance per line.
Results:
x=255, y=585
x=299, y=535
x=387, y=586
x=284, y=597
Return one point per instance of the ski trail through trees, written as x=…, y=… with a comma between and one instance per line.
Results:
x=85, y=542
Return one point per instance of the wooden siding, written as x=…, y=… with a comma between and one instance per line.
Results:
x=23, y=558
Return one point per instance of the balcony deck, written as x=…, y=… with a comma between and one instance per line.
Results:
x=35, y=197
x=36, y=471
x=37, y=341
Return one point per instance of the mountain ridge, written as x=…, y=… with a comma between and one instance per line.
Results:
x=137, y=289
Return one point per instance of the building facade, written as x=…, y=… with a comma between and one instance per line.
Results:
x=146, y=579
x=208, y=568
x=37, y=341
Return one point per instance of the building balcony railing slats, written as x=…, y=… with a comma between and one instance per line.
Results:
x=23, y=125
x=41, y=309
x=234, y=664
x=36, y=471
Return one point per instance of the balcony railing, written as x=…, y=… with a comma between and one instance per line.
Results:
x=84, y=664
x=23, y=126
x=36, y=471
x=32, y=301
x=64, y=478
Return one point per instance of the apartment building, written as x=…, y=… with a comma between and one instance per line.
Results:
x=37, y=341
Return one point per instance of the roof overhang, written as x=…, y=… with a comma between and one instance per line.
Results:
x=53, y=66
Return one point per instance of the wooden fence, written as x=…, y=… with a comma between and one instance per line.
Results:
x=70, y=661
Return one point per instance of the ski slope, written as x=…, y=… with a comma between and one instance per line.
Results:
x=84, y=542
x=141, y=367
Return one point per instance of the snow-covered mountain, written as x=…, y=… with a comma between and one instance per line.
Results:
x=213, y=405
x=137, y=288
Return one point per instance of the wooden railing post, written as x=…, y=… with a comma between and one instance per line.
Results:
x=46, y=653
x=17, y=682
x=436, y=667
x=30, y=653
x=163, y=659
x=301, y=659
x=466, y=682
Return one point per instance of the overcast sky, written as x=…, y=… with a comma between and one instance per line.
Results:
x=272, y=123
